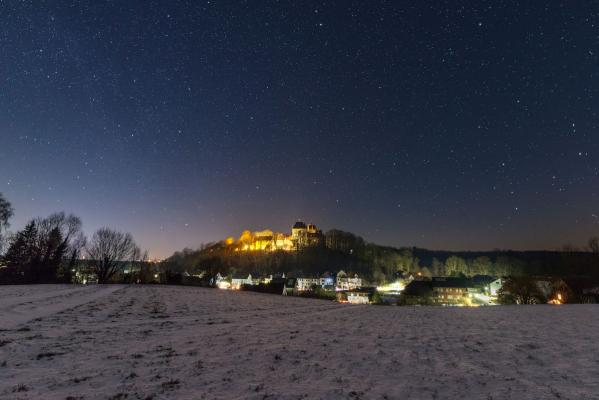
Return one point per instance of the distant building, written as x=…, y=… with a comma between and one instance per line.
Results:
x=307, y=283
x=289, y=288
x=240, y=279
x=220, y=281
x=345, y=282
x=359, y=296
x=445, y=291
x=302, y=236
x=327, y=281
x=493, y=287
x=418, y=292
x=450, y=291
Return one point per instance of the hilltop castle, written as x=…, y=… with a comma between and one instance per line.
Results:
x=302, y=236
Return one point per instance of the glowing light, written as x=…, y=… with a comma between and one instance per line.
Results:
x=558, y=300
x=223, y=285
x=396, y=286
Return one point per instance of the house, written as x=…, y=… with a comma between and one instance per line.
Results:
x=417, y=292
x=451, y=291
x=220, y=281
x=484, y=289
x=360, y=295
x=289, y=287
x=306, y=283
x=345, y=282
x=327, y=281
x=443, y=291
x=240, y=279
x=493, y=287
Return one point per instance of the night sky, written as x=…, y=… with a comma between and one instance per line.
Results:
x=447, y=125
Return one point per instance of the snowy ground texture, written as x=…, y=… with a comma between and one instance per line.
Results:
x=159, y=342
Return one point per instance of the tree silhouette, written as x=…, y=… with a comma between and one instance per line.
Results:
x=107, y=250
x=6, y=212
x=23, y=250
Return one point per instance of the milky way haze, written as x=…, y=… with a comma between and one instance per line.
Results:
x=456, y=125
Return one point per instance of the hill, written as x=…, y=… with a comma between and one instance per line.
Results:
x=345, y=251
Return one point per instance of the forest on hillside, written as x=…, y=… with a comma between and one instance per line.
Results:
x=346, y=251
x=51, y=249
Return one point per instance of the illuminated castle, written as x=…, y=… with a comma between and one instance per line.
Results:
x=302, y=236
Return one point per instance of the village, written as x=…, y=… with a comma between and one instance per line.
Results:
x=405, y=290
x=410, y=290
x=352, y=289
x=341, y=267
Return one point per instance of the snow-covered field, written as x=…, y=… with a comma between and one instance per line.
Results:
x=158, y=342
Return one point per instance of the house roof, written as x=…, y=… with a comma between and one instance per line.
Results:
x=482, y=280
x=299, y=225
x=418, y=288
x=451, y=282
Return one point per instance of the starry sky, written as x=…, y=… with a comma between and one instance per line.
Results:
x=446, y=125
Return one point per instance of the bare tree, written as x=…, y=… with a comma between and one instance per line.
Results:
x=68, y=225
x=569, y=248
x=139, y=260
x=107, y=250
x=594, y=244
x=73, y=252
x=6, y=212
x=144, y=272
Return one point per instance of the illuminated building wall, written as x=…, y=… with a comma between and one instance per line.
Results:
x=302, y=236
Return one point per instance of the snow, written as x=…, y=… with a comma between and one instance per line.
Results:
x=160, y=342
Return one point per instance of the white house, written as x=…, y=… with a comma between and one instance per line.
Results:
x=345, y=282
x=304, y=283
x=494, y=286
x=221, y=282
x=358, y=297
x=239, y=280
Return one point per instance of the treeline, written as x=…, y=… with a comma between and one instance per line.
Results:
x=346, y=251
x=45, y=251
x=562, y=263
x=49, y=250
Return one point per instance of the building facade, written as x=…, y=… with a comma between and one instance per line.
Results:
x=302, y=236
